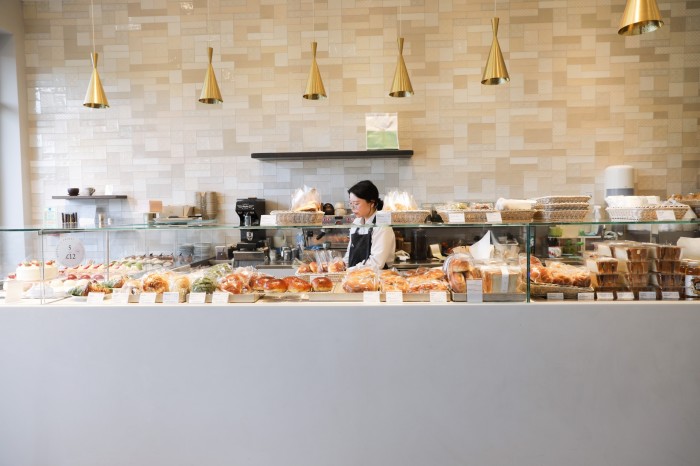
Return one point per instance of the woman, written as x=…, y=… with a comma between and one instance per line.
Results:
x=368, y=246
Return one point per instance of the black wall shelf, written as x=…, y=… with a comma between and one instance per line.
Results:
x=332, y=155
x=87, y=198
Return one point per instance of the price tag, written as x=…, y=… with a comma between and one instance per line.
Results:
x=475, y=291
x=268, y=220
x=670, y=295
x=220, y=297
x=586, y=296
x=555, y=296
x=606, y=296
x=171, y=297
x=394, y=297
x=625, y=296
x=371, y=297
x=665, y=215
x=647, y=295
x=198, y=298
x=455, y=217
x=147, y=298
x=70, y=251
x=494, y=217
x=120, y=298
x=95, y=297
x=383, y=218
x=438, y=297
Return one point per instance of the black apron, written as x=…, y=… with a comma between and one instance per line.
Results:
x=360, y=246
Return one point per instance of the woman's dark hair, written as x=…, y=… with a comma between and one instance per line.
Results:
x=368, y=191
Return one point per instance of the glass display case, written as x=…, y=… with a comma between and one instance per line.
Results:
x=543, y=260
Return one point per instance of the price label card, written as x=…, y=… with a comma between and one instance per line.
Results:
x=455, y=217
x=94, y=297
x=394, y=297
x=383, y=218
x=120, y=298
x=438, y=297
x=494, y=217
x=198, y=298
x=647, y=295
x=586, y=297
x=606, y=296
x=625, y=296
x=475, y=291
x=555, y=296
x=147, y=298
x=171, y=297
x=665, y=215
x=670, y=295
x=371, y=297
x=220, y=297
x=70, y=251
x=268, y=220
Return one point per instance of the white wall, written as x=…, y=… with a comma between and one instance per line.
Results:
x=14, y=161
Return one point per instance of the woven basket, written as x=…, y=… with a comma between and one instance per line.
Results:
x=562, y=199
x=286, y=217
x=479, y=216
x=563, y=206
x=562, y=215
x=445, y=214
x=646, y=213
x=409, y=216
x=335, y=277
x=517, y=215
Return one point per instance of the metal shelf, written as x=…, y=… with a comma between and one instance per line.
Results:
x=332, y=155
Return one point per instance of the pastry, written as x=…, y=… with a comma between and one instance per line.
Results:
x=336, y=265
x=297, y=285
x=203, y=285
x=321, y=284
x=275, y=286
x=155, y=283
x=304, y=268
x=360, y=280
x=233, y=285
x=30, y=271
x=457, y=282
x=394, y=283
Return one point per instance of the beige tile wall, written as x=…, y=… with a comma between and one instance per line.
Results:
x=580, y=98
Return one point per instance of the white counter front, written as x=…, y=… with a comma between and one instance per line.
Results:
x=573, y=384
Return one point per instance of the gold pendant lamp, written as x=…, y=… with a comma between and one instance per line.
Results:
x=640, y=17
x=314, y=85
x=495, y=71
x=401, y=85
x=210, y=91
x=95, y=96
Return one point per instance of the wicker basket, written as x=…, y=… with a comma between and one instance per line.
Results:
x=479, y=216
x=563, y=206
x=560, y=215
x=646, y=213
x=287, y=217
x=335, y=277
x=562, y=199
x=409, y=216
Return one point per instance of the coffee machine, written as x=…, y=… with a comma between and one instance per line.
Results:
x=250, y=210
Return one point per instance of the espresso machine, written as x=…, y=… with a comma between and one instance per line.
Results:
x=250, y=210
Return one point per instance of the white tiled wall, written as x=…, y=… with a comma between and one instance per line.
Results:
x=580, y=98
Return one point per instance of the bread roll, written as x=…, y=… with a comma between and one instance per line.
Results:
x=297, y=285
x=155, y=283
x=322, y=284
x=275, y=285
x=337, y=265
x=458, y=282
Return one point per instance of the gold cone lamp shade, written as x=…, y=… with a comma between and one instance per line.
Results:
x=95, y=96
x=640, y=17
x=210, y=91
x=401, y=86
x=314, y=85
x=495, y=71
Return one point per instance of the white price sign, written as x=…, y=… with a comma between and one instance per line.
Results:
x=665, y=215
x=605, y=296
x=198, y=298
x=555, y=296
x=371, y=297
x=120, y=298
x=494, y=217
x=647, y=295
x=670, y=295
x=438, y=297
x=220, y=297
x=455, y=217
x=95, y=297
x=383, y=218
x=70, y=251
x=586, y=297
x=147, y=298
x=394, y=297
x=625, y=296
x=475, y=291
x=171, y=297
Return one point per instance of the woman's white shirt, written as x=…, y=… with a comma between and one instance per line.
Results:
x=383, y=243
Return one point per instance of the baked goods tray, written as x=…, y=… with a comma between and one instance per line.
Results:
x=646, y=213
x=409, y=216
x=492, y=297
x=540, y=290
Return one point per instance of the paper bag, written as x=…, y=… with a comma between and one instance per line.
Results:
x=382, y=131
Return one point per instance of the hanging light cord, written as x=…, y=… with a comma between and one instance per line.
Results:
x=313, y=9
x=92, y=20
x=208, y=30
x=399, y=18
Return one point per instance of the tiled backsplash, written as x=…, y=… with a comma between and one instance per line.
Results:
x=580, y=98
